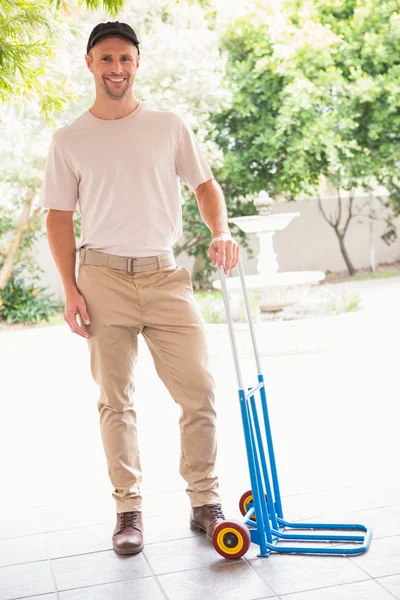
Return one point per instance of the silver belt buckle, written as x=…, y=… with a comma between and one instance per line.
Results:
x=130, y=266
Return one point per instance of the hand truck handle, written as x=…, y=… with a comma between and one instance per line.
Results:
x=228, y=313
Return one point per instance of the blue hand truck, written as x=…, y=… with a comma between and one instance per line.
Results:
x=261, y=506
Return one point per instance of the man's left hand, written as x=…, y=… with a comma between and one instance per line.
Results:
x=225, y=250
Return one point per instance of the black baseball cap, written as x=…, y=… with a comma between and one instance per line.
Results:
x=112, y=28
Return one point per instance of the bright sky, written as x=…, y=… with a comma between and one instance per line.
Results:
x=233, y=9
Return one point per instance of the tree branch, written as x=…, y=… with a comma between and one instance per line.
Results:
x=323, y=212
x=350, y=215
x=339, y=215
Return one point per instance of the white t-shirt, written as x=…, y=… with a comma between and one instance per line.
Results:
x=124, y=176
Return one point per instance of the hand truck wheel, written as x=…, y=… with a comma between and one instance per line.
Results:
x=246, y=502
x=231, y=539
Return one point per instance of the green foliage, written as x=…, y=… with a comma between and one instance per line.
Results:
x=29, y=32
x=25, y=303
x=319, y=109
x=246, y=130
x=254, y=302
x=337, y=302
x=378, y=275
x=77, y=223
x=315, y=99
x=211, y=305
x=197, y=236
x=19, y=301
x=32, y=91
x=343, y=302
x=112, y=6
x=32, y=231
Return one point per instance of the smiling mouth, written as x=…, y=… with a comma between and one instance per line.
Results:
x=116, y=80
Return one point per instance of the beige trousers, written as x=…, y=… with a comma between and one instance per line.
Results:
x=160, y=305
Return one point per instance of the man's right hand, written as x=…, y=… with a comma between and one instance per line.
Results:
x=75, y=305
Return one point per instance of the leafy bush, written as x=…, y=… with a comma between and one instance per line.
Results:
x=212, y=308
x=343, y=302
x=25, y=303
x=211, y=305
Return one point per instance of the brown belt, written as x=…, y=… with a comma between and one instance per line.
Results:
x=129, y=264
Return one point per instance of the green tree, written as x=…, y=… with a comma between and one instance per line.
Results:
x=29, y=30
x=314, y=98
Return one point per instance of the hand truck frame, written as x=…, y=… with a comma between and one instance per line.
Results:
x=261, y=506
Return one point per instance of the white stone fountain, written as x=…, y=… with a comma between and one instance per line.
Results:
x=277, y=290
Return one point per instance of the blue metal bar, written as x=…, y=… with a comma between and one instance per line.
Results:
x=274, y=547
x=302, y=525
x=259, y=497
x=261, y=490
x=326, y=538
x=250, y=513
x=270, y=496
x=271, y=453
x=316, y=550
x=251, y=459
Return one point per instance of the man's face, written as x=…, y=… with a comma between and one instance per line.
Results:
x=113, y=62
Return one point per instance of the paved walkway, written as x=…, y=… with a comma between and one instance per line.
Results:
x=333, y=393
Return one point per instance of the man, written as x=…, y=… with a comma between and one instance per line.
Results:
x=121, y=160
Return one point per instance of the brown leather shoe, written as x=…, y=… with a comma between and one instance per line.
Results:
x=206, y=518
x=128, y=533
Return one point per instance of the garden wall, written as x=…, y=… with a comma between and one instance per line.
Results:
x=307, y=243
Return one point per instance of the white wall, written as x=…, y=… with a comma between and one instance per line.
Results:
x=308, y=243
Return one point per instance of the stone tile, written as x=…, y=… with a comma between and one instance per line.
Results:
x=41, y=597
x=394, y=510
x=20, y=523
x=289, y=573
x=391, y=583
x=31, y=548
x=382, y=557
x=383, y=493
x=21, y=581
x=165, y=504
x=97, y=568
x=365, y=590
x=73, y=515
x=69, y=516
x=139, y=589
x=307, y=506
x=81, y=540
x=182, y=555
x=254, y=549
x=85, y=540
x=231, y=581
x=165, y=528
x=383, y=523
x=337, y=501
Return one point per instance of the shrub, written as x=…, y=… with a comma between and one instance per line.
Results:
x=25, y=303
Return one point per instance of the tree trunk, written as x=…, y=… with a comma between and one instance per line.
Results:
x=344, y=252
x=6, y=270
